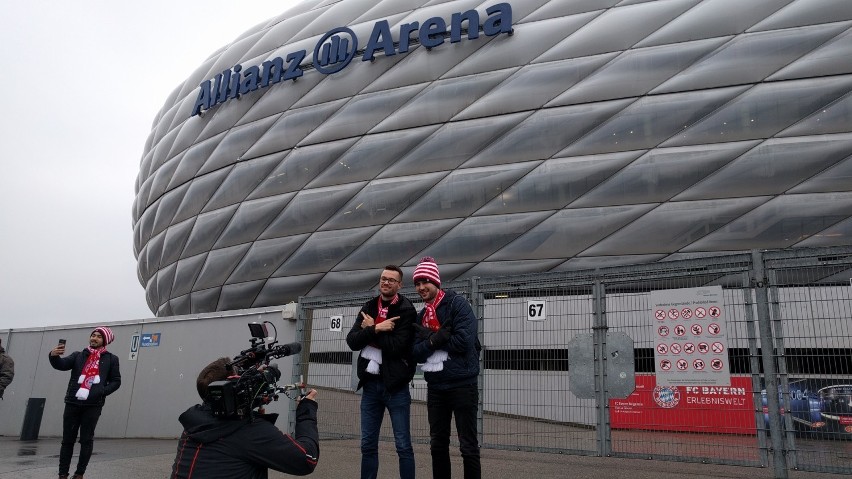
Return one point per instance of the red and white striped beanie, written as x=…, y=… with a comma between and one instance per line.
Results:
x=428, y=270
x=106, y=333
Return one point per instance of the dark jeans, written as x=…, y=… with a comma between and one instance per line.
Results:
x=441, y=405
x=374, y=400
x=82, y=419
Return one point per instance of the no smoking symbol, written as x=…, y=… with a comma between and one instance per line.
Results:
x=718, y=348
x=675, y=348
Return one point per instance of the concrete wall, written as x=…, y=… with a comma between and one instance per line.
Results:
x=155, y=388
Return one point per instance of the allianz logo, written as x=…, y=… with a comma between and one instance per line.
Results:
x=338, y=47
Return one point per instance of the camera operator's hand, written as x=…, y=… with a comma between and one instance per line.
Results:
x=367, y=321
x=439, y=338
x=386, y=325
x=58, y=350
x=312, y=395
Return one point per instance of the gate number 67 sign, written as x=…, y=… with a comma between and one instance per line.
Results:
x=536, y=310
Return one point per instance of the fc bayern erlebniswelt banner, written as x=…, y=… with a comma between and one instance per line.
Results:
x=715, y=409
x=690, y=337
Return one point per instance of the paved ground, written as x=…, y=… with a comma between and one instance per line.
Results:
x=152, y=458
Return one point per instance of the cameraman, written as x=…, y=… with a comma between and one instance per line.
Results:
x=243, y=448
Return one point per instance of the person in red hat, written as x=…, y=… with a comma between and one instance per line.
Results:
x=94, y=376
x=448, y=349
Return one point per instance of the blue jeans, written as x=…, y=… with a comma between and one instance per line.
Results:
x=374, y=401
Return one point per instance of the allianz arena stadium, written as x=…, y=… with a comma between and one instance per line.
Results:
x=498, y=137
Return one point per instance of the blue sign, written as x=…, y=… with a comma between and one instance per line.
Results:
x=150, y=340
x=337, y=48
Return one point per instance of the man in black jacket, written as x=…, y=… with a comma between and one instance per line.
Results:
x=383, y=332
x=448, y=347
x=243, y=447
x=7, y=370
x=94, y=376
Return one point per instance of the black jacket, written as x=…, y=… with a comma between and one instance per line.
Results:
x=109, y=373
x=213, y=448
x=462, y=366
x=397, y=367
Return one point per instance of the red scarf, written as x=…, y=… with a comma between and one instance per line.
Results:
x=90, y=373
x=383, y=312
x=430, y=316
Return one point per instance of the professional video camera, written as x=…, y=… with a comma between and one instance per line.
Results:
x=255, y=381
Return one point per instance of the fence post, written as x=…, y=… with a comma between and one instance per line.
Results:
x=599, y=330
x=754, y=366
x=770, y=376
x=304, y=325
x=477, y=301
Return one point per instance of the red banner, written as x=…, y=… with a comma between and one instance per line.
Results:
x=718, y=409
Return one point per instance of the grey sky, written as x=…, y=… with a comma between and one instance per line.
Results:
x=82, y=82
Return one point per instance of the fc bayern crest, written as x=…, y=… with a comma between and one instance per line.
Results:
x=666, y=396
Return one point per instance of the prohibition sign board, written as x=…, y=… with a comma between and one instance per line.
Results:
x=686, y=341
x=665, y=364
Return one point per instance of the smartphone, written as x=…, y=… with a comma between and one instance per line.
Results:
x=62, y=342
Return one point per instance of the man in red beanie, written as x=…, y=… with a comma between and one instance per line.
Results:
x=448, y=348
x=94, y=376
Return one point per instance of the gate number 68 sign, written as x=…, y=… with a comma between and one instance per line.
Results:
x=335, y=323
x=536, y=310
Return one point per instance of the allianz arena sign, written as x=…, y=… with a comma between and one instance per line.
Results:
x=339, y=46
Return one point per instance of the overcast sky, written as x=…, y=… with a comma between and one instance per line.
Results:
x=80, y=85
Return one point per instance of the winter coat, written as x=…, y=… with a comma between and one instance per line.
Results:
x=109, y=373
x=462, y=366
x=397, y=367
x=7, y=371
x=216, y=448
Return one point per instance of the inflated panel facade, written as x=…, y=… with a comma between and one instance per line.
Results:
x=534, y=135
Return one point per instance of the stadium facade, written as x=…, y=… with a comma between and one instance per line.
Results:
x=498, y=137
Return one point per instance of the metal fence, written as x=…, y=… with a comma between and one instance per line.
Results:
x=789, y=405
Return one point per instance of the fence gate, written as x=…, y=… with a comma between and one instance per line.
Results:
x=787, y=405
